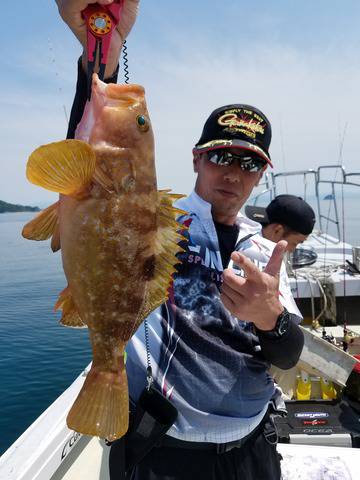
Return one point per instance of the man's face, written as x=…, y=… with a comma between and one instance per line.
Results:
x=226, y=188
x=294, y=239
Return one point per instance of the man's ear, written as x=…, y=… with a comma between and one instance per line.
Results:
x=279, y=230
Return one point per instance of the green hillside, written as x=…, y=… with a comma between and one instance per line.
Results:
x=10, y=207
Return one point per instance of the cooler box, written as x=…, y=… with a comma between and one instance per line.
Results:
x=321, y=422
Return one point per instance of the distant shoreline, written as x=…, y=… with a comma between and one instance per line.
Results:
x=12, y=208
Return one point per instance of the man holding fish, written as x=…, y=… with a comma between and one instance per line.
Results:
x=226, y=319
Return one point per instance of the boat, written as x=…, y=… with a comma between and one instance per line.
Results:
x=325, y=280
x=324, y=271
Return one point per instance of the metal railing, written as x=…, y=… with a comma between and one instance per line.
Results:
x=270, y=182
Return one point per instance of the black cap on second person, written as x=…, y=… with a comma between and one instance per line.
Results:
x=237, y=126
x=287, y=210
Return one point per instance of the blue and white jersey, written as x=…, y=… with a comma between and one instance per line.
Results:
x=206, y=361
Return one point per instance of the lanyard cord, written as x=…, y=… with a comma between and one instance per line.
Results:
x=126, y=65
x=149, y=376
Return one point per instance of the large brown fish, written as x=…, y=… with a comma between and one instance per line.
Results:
x=118, y=237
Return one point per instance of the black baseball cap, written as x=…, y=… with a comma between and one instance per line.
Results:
x=287, y=210
x=237, y=126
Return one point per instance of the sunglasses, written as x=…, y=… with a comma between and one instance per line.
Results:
x=225, y=158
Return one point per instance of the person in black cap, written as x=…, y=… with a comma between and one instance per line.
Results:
x=211, y=344
x=287, y=217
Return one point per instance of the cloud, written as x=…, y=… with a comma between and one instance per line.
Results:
x=309, y=98
x=309, y=95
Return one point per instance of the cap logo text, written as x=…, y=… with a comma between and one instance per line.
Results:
x=246, y=125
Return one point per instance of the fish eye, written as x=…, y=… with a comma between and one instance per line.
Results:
x=142, y=123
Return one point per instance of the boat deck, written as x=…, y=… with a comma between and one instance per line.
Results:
x=299, y=462
x=331, y=258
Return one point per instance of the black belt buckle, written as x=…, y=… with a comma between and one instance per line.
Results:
x=226, y=447
x=222, y=448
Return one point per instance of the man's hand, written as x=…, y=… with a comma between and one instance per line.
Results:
x=70, y=11
x=254, y=298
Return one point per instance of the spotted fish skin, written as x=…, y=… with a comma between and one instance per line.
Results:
x=107, y=239
x=118, y=236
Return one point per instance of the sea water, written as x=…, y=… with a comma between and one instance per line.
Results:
x=39, y=358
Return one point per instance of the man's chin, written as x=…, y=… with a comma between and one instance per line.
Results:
x=220, y=210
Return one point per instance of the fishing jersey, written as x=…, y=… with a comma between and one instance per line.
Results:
x=206, y=361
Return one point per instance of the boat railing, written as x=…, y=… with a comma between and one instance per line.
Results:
x=325, y=174
x=270, y=182
x=345, y=179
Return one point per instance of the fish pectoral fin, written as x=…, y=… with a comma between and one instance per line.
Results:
x=43, y=225
x=166, y=248
x=70, y=315
x=66, y=167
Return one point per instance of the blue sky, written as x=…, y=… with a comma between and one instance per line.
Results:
x=299, y=62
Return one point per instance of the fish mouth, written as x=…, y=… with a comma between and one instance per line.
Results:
x=125, y=94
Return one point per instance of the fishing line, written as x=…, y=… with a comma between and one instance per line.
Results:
x=283, y=153
x=53, y=61
x=339, y=163
x=345, y=345
x=344, y=268
x=333, y=200
x=126, y=64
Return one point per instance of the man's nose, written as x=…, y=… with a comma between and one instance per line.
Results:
x=233, y=172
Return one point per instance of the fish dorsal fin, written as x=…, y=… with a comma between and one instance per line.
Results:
x=70, y=315
x=43, y=225
x=166, y=248
x=66, y=167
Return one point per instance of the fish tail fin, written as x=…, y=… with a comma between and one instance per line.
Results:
x=102, y=406
x=66, y=167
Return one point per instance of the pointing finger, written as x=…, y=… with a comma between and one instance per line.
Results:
x=274, y=264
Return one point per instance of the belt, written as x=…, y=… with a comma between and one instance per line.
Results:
x=219, y=448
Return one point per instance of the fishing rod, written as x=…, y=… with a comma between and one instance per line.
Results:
x=346, y=337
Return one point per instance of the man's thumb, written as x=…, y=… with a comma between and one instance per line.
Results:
x=274, y=264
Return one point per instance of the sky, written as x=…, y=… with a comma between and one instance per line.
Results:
x=298, y=62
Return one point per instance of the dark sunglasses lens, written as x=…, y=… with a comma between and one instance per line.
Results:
x=225, y=158
x=251, y=164
x=220, y=157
